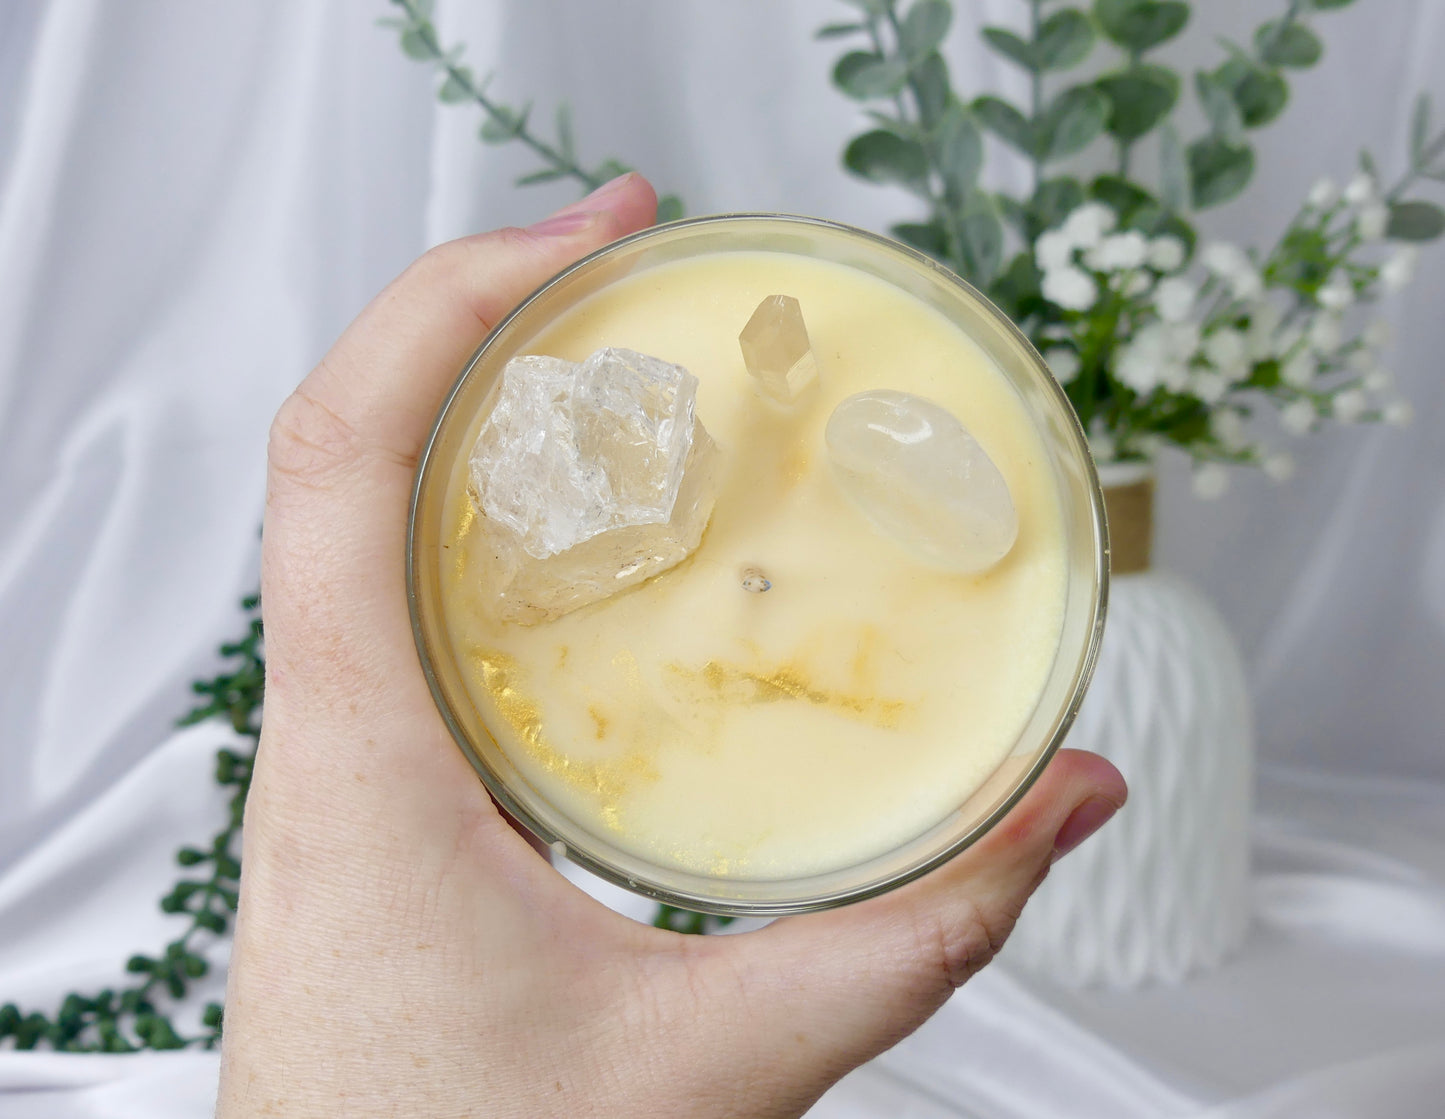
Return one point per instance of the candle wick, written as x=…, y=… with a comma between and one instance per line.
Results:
x=754, y=581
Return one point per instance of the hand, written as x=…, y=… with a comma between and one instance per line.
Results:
x=401, y=950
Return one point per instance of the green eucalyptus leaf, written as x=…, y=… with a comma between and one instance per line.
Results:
x=1218, y=170
x=415, y=45
x=669, y=208
x=960, y=153
x=1141, y=25
x=1120, y=195
x=930, y=86
x=1016, y=289
x=1415, y=221
x=456, y=88
x=1216, y=98
x=1173, y=169
x=1012, y=47
x=565, y=142
x=1064, y=40
x=928, y=237
x=1260, y=94
x=837, y=30
x=924, y=27
x=1294, y=45
x=864, y=75
x=982, y=238
x=546, y=175
x=502, y=125
x=882, y=157
x=1330, y=5
x=1015, y=214
x=1006, y=122
x=1419, y=127
x=1053, y=201
x=1073, y=120
x=1139, y=99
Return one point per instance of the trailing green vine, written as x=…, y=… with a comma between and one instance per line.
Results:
x=137, y=1016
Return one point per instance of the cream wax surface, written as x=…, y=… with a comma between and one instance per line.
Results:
x=844, y=711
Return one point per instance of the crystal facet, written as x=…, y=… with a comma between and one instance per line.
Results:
x=922, y=479
x=590, y=477
x=776, y=349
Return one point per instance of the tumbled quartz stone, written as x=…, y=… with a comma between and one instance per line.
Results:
x=917, y=474
x=590, y=478
x=776, y=350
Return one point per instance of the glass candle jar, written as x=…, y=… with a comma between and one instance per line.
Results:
x=866, y=718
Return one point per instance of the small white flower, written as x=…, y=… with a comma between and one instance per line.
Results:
x=1227, y=427
x=1349, y=406
x=1279, y=466
x=1137, y=285
x=1264, y=322
x=1166, y=254
x=1181, y=341
x=1360, y=189
x=1211, y=481
x=1247, y=285
x=1208, y=386
x=1225, y=260
x=1298, y=416
x=1140, y=367
x=1326, y=334
x=1119, y=252
x=1225, y=348
x=1323, y=194
x=1337, y=294
x=1361, y=360
x=1373, y=221
x=1174, y=299
x=1399, y=270
x=1377, y=334
x=1053, y=250
x=1378, y=380
x=1086, y=226
x=1063, y=363
x=1399, y=413
x=1071, y=288
x=1299, y=371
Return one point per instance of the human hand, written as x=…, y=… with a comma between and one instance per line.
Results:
x=400, y=949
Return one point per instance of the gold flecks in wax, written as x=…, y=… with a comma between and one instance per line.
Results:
x=609, y=781
x=735, y=684
x=465, y=522
x=599, y=719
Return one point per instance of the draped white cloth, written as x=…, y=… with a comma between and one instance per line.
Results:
x=194, y=199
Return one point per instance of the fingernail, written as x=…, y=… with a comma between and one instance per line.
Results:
x=559, y=224
x=1083, y=822
x=607, y=189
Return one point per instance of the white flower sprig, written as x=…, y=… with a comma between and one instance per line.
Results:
x=1155, y=349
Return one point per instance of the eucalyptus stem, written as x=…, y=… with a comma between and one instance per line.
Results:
x=1036, y=93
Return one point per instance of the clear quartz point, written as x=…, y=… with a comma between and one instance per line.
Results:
x=590, y=478
x=776, y=350
x=917, y=474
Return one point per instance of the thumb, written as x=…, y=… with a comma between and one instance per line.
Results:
x=832, y=990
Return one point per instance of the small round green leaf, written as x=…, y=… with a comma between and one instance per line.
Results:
x=882, y=157
x=1006, y=122
x=1416, y=221
x=864, y=75
x=415, y=45
x=1294, y=44
x=924, y=27
x=1054, y=200
x=927, y=237
x=960, y=153
x=930, y=86
x=1064, y=40
x=983, y=240
x=669, y=208
x=1218, y=170
x=1139, y=100
x=1012, y=47
x=456, y=88
x=1073, y=120
x=1260, y=94
x=1141, y=25
x=1216, y=98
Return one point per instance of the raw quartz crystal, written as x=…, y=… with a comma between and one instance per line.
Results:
x=590, y=478
x=776, y=350
x=917, y=474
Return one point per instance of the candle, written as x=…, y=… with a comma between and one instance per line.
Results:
x=805, y=694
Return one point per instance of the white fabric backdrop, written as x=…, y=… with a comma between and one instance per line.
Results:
x=194, y=199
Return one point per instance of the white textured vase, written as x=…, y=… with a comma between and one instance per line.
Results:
x=1163, y=889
